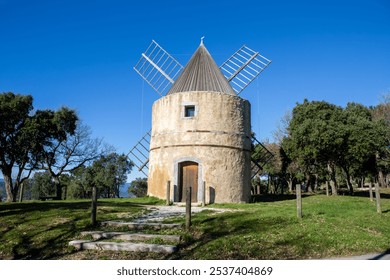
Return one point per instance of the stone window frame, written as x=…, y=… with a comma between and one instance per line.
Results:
x=186, y=105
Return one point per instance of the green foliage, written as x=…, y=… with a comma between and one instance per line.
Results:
x=322, y=136
x=42, y=185
x=108, y=173
x=77, y=185
x=24, y=136
x=314, y=135
x=138, y=187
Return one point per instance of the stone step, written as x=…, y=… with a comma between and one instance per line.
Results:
x=115, y=246
x=132, y=225
x=130, y=236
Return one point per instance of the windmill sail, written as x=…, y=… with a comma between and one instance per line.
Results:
x=259, y=158
x=243, y=67
x=158, y=68
x=139, y=154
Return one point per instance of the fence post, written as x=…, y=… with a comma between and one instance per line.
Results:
x=299, y=201
x=378, y=198
x=204, y=194
x=188, y=207
x=168, y=194
x=94, y=205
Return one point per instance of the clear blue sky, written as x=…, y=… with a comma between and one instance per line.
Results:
x=80, y=54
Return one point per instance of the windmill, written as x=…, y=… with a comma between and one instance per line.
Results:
x=167, y=77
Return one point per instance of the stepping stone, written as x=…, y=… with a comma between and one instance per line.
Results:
x=115, y=246
x=131, y=225
x=130, y=236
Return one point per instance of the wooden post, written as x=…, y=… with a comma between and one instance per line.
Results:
x=94, y=206
x=370, y=191
x=204, y=194
x=168, y=194
x=188, y=208
x=378, y=198
x=299, y=201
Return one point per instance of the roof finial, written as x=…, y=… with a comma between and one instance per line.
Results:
x=201, y=40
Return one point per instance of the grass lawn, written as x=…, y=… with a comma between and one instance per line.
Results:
x=331, y=227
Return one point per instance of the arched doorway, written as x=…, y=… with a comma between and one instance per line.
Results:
x=188, y=177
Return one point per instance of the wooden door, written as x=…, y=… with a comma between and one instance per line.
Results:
x=188, y=178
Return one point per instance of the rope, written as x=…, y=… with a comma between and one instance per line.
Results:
x=258, y=104
x=142, y=106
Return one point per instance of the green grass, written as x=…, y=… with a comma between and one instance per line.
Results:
x=331, y=227
x=42, y=230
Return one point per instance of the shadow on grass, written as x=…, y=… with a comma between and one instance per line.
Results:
x=8, y=209
x=42, y=230
x=367, y=194
x=274, y=197
x=51, y=248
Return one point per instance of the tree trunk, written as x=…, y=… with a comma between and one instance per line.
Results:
x=333, y=180
x=21, y=192
x=350, y=187
x=316, y=182
x=9, y=187
x=308, y=184
x=290, y=185
x=381, y=179
x=370, y=191
x=57, y=183
x=65, y=192
x=268, y=185
x=117, y=190
x=327, y=188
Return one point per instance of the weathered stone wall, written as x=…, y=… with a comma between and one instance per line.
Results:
x=217, y=138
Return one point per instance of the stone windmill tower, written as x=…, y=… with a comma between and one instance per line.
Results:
x=201, y=129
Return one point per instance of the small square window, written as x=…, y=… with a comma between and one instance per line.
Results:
x=189, y=111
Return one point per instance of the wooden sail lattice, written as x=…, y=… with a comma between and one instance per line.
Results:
x=158, y=68
x=259, y=158
x=140, y=154
x=243, y=67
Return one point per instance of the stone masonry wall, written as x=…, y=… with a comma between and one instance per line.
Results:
x=217, y=137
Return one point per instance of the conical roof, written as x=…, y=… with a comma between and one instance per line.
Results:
x=201, y=74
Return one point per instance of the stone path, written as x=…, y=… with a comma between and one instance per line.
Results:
x=152, y=221
x=160, y=213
